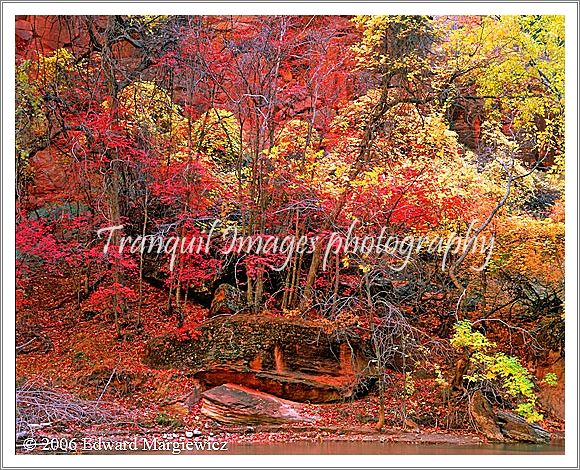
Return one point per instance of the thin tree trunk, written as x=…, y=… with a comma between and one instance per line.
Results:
x=336, y=284
x=143, y=234
x=378, y=355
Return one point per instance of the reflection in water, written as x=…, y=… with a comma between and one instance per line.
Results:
x=393, y=448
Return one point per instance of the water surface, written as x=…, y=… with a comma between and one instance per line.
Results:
x=392, y=448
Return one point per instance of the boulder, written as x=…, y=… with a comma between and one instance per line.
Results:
x=518, y=429
x=411, y=425
x=227, y=300
x=194, y=396
x=485, y=417
x=504, y=426
x=235, y=404
x=290, y=358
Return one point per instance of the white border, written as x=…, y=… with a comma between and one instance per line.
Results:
x=291, y=8
x=145, y=461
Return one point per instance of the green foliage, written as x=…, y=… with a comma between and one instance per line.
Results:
x=515, y=378
x=528, y=411
x=163, y=419
x=465, y=338
x=550, y=379
x=507, y=372
x=80, y=356
x=31, y=122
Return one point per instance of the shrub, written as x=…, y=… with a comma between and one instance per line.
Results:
x=497, y=369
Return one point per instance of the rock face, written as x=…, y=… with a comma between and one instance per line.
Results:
x=485, y=418
x=552, y=397
x=227, y=300
x=289, y=358
x=517, y=428
x=504, y=426
x=234, y=404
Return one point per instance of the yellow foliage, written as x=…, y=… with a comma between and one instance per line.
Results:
x=150, y=107
x=518, y=64
x=53, y=67
x=217, y=133
x=532, y=248
x=297, y=138
x=394, y=43
x=149, y=22
x=149, y=112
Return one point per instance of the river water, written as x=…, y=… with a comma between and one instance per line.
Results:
x=389, y=448
x=333, y=447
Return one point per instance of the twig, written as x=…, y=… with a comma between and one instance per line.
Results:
x=22, y=346
x=105, y=389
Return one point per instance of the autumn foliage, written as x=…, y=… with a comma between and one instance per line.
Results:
x=296, y=126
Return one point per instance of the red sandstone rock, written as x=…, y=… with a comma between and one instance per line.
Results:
x=291, y=358
x=552, y=397
x=234, y=404
x=227, y=300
